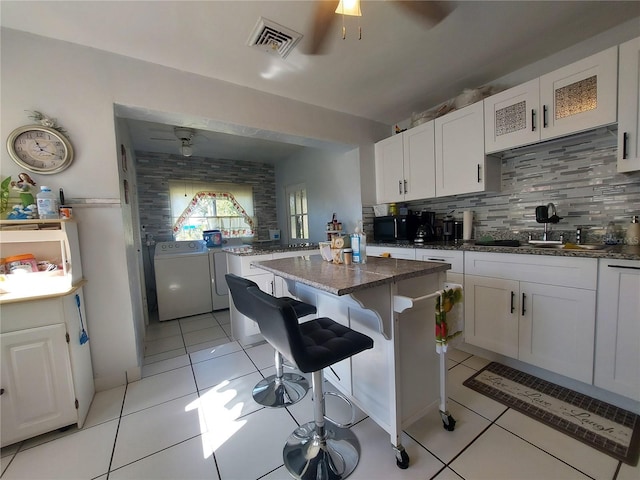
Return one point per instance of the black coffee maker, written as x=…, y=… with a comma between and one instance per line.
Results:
x=426, y=228
x=451, y=229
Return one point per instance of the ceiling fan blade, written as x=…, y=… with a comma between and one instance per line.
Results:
x=163, y=139
x=432, y=12
x=323, y=17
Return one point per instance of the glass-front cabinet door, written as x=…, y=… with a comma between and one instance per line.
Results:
x=580, y=96
x=511, y=117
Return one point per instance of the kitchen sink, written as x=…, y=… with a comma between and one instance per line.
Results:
x=572, y=246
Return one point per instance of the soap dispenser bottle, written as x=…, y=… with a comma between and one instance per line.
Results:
x=633, y=232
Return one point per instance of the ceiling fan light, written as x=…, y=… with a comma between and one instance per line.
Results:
x=349, y=7
x=186, y=149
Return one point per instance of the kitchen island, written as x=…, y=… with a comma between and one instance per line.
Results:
x=396, y=382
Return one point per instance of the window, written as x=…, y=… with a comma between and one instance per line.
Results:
x=298, y=214
x=200, y=206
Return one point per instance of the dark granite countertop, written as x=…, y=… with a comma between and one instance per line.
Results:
x=248, y=250
x=621, y=252
x=340, y=279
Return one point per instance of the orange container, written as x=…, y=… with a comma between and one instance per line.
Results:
x=21, y=263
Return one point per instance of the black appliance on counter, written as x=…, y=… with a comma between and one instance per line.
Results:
x=427, y=229
x=394, y=228
x=451, y=229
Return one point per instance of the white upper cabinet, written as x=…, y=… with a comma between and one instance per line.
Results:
x=629, y=107
x=405, y=165
x=511, y=117
x=461, y=164
x=578, y=97
x=389, y=169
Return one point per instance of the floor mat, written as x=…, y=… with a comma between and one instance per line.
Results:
x=603, y=426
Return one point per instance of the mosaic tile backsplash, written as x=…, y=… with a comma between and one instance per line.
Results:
x=154, y=170
x=577, y=174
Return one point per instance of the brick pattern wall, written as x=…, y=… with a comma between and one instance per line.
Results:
x=155, y=169
x=578, y=174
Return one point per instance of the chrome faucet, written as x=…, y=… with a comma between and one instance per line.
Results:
x=554, y=213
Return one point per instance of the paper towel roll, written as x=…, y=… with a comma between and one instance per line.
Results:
x=467, y=224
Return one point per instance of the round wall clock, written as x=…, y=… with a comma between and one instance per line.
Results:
x=40, y=149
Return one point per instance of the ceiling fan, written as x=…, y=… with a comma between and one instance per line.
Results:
x=430, y=12
x=185, y=136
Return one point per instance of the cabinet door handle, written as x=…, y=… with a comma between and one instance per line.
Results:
x=436, y=259
x=523, y=309
x=478, y=173
x=624, y=266
x=625, y=141
x=400, y=187
x=544, y=117
x=513, y=296
x=406, y=190
x=533, y=120
x=1, y=391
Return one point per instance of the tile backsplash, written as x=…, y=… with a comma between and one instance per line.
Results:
x=154, y=170
x=577, y=174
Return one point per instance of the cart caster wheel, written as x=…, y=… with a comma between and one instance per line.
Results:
x=449, y=423
x=402, y=459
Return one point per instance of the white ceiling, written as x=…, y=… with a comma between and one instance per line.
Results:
x=399, y=66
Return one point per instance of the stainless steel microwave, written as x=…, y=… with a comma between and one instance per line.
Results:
x=395, y=228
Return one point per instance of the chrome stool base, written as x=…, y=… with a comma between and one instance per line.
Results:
x=309, y=456
x=283, y=391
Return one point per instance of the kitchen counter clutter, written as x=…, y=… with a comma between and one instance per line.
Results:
x=53, y=243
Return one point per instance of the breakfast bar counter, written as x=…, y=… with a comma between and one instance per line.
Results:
x=340, y=279
x=396, y=382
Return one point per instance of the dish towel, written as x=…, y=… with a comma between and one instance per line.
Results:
x=449, y=318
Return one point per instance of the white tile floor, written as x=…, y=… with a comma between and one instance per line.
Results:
x=192, y=417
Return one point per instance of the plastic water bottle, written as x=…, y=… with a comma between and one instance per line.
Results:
x=47, y=203
x=359, y=245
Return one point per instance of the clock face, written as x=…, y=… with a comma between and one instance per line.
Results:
x=40, y=149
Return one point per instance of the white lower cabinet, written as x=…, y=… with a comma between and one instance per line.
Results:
x=617, y=358
x=557, y=328
x=491, y=318
x=538, y=309
x=37, y=385
x=46, y=377
x=453, y=257
x=243, y=329
x=405, y=253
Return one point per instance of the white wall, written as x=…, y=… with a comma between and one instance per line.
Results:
x=80, y=86
x=598, y=43
x=333, y=185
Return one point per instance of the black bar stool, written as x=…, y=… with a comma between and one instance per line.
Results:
x=318, y=450
x=281, y=389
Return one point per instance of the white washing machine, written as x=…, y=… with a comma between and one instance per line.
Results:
x=183, y=280
x=218, y=269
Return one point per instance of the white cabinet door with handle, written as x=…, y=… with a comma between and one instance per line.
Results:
x=617, y=362
x=37, y=385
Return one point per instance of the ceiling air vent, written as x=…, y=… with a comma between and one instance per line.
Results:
x=272, y=38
